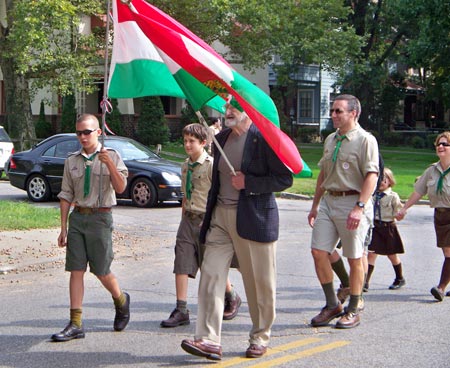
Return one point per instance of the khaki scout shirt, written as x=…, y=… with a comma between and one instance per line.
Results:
x=72, y=188
x=201, y=183
x=427, y=184
x=357, y=156
x=390, y=204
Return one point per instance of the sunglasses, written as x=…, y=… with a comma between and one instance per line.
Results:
x=445, y=144
x=84, y=132
x=337, y=111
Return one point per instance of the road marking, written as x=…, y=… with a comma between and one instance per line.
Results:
x=283, y=348
x=301, y=354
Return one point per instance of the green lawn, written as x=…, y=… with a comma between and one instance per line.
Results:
x=24, y=216
x=406, y=163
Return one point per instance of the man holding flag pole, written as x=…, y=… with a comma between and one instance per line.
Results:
x=242, y=218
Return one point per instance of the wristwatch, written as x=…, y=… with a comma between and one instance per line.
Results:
x=360, y=204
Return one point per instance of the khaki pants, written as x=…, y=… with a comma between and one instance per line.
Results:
x=258, y=268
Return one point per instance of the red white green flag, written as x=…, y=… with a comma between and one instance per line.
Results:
x=137, y=69
x=191, y=61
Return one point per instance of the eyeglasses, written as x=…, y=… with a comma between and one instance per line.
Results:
x=84, y=132
x=445, y=144
x=337, y=111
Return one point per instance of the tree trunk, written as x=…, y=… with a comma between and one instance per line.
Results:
x=19, y=118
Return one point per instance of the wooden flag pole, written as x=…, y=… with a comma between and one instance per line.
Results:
x=203, y=121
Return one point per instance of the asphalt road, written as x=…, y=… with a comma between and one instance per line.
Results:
x=403, y=328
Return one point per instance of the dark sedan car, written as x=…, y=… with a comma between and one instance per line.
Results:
x=151, y=179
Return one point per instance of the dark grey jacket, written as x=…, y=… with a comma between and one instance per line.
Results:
x=257, y=212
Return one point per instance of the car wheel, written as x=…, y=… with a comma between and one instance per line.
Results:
x=143, y=193
x=38, y=189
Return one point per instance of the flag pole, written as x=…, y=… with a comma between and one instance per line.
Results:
x=105, y=103
x=203, y=121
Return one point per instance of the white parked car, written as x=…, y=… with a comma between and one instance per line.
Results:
x=6, y=148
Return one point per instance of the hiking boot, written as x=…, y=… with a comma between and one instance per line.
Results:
x=177, y=318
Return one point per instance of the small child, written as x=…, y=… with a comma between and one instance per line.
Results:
x=386, y=239
x=196, y=180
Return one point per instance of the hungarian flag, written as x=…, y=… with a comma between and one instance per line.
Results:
x=137, y=69
x=192, y=61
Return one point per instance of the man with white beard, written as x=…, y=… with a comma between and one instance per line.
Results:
x=241, y=217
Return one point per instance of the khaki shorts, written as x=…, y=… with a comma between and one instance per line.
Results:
x=188, y=252
x=89, y=241
x=331, y=225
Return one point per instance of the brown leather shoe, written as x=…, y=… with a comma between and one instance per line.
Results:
x=231, y=307
x=202, y=348
x=255, y=351
x=326, y=315
x=348, y=320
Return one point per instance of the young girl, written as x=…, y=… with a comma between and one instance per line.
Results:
x=386, y=239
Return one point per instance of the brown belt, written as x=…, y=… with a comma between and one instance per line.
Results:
x=335, y=193
x=90, y=211
x=193, y=215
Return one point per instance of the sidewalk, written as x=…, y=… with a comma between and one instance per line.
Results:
x=36, y=250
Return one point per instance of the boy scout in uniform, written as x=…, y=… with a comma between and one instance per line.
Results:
x=196, y=181
x=342, y=208
x=88, y=239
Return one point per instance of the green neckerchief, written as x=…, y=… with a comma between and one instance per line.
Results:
x=189, y=179
x=339, y=139
x=440, y=183
x=87, y=173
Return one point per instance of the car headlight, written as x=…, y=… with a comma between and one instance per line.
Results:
x=172, y=179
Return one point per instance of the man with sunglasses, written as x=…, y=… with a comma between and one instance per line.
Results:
x=342, y=207
x=88, y=238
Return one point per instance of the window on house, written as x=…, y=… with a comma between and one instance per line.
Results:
x=305, y=100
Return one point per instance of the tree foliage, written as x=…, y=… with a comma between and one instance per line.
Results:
x=47, y=43
x=430, y=47
x=41, y=46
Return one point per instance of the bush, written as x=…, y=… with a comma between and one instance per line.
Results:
x=152, y=128
x=43, y=127
x=417, y=142
x=431, y=138
x=113, y=120
x=326, y=132
x=393, y=139
x=307, y=135
x=69, y=114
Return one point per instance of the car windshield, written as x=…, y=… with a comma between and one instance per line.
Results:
x=4, y=136
x=131, y=150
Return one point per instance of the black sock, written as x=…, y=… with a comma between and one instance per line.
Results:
x=445, y=274
x=369, y=273
x=398, y=271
